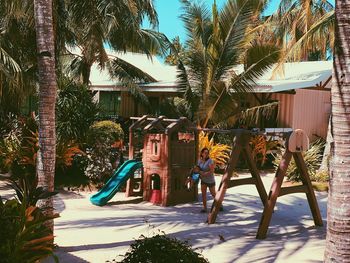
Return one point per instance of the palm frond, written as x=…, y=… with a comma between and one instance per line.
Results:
x=123, y=70
x=184, y=87
x=235, y=19
x=251, y=117
x=127, y=74
x=326, y=22
x=8, y=66
x=137, y=93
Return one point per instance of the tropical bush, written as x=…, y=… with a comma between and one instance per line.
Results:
x=23, y=234
x=104, y=140
x=320, y=176
x=105, y=132
x=219, y=153
x=312, y=157
x=161, y=248
x=262, y=148
x=76, y=111
x=19, y=146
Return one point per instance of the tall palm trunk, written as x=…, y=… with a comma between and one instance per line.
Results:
x=47, y=98
x=338, y=214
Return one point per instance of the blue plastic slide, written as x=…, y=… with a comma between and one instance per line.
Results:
x=127, y=169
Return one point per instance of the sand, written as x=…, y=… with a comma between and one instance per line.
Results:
x=87, y=233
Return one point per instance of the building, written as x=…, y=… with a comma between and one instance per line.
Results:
x=302, y=90
x=116, y=99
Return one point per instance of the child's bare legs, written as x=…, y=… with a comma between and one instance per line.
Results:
x=189, y=183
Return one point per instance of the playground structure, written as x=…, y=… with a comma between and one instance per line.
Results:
x=169, y=150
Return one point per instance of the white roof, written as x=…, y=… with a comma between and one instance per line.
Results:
x=164, y=74
x=295, y=75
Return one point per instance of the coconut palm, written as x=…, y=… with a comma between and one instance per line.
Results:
x=98, y=23
x=218, y=41
x=17, y=53
x=47, y=99
x=303, y=29
x=338, y=220
x=87, y=26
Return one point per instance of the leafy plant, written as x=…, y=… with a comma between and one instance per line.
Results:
x=262, y=147
x=320, y=176
x=9, y=148
x=76, y=111
x=23, y=234
x=65, y=154
x=104, y=139
x=312, y=158
x=27, y=191
x=161, y=248
x=105, y=132
x=217, y=41
x=219, y=153
x=19, y=146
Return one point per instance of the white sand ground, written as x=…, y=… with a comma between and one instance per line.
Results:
x=87, y=233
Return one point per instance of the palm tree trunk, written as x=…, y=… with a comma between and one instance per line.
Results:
x=47, y=99
x=338, y=214
x=327, y=150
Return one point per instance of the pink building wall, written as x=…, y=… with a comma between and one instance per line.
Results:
x=307, y=109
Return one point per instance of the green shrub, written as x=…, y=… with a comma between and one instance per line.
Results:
x=18, y=147
x=23, y=234
x=161, y=248
x=104, y=139
x=312, y=157
x=76, y=111
x=105, y=132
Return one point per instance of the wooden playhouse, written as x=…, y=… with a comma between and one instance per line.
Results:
x=170, y=150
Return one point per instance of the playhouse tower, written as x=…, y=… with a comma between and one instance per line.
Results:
x=169, y=152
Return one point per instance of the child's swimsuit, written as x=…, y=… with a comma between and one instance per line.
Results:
x=195, y=177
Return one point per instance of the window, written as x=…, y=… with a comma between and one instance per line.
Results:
x=110, y=102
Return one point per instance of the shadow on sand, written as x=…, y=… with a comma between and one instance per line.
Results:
x=234, y=233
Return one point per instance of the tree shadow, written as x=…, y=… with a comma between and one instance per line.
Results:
x=233, y=236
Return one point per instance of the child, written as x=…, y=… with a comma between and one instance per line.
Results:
x=195, y=174
x=193, y=178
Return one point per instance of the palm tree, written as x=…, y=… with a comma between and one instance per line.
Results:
x=95, y=24
x=293, y=19
x=338, y=219
x=217, y=42
x=84, y=25
x=47, y=98
x=17, y=54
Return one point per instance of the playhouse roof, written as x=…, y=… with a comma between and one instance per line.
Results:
x=292, y=76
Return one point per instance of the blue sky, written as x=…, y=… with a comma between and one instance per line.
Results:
x=170, y=10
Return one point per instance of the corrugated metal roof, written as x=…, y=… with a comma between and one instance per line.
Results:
x=165, y=74
x=294, y=76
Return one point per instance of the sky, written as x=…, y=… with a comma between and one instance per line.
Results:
x=170, y=10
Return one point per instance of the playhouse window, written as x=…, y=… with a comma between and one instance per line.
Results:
x=155, y=182
x=155, y=148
